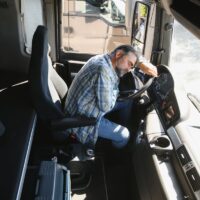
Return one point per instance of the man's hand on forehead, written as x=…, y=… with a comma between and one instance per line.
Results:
x=148, y=68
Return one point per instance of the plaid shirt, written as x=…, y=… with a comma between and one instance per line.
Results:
x=93, y=93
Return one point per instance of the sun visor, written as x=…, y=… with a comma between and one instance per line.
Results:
x=186, y=12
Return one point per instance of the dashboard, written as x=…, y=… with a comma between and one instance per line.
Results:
x=162, y=95
x=164, y=100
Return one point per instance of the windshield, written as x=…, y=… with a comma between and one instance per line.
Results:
x=93, y=26
x=184, y=61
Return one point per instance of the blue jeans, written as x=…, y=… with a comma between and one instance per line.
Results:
x=117, y=133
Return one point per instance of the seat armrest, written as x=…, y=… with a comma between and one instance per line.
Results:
x=72, y=122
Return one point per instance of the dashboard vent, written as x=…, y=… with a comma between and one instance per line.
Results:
x=194, y=179
x=183, y=155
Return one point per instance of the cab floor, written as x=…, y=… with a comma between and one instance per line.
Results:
x=112, y=178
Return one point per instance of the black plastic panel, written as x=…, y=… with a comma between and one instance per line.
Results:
x=183, y=155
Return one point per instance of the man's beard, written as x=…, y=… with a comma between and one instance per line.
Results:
x=120, y=72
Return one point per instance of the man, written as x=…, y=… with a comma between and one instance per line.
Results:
x=94, y=92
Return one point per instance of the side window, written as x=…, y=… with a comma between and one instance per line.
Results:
x=184, y=62
x=118, y=11
x=140, y=25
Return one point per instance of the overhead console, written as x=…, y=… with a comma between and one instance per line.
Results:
x=162, y=94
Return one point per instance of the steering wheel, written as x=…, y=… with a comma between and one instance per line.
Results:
x=133, y=94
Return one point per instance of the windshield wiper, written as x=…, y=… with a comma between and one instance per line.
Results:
x=195, y=100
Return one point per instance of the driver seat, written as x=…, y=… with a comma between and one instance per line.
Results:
x=48, y=90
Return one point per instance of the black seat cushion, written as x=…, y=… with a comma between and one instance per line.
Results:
x=48, y=89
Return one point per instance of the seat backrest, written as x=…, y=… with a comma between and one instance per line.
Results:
x=46, y=86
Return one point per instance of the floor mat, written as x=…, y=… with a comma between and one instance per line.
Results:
x=97, y=188
x=119, y=175
x=113, y=179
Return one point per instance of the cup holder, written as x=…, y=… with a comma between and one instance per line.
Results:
x=162, y=142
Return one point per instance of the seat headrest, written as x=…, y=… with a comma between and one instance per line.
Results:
x=46, y=106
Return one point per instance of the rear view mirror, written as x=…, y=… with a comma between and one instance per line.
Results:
x=140, y=22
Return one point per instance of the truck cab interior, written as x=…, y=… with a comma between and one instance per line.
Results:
x=43, y=45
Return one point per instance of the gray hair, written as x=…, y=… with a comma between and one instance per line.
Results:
x=126, y=49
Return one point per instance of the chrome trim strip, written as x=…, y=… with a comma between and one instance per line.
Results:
x=18, y=197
